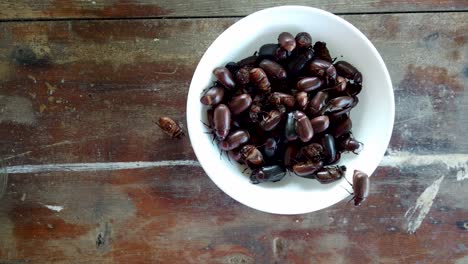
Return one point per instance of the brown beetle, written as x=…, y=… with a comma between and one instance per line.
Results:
x=338, y=104
x=251, y=156
x=221, y=121
x=273, y=69
x=235, y=140
x=317, y=103
x=313, y=152
x=309, y=84
x=303, y=127
x=281, y=54
x=290, y=156
x=277, y=98
x=259, y=78
x=330, y=174
x=302, y=100
x=361, y=185
x=224, y=76
x=350, y=144
x=322, y=68
x=303, y=40
x=297, y=63
x=321, y=51
x=341, y=126
x=307, y=169
x=213, y=96
x=272, y=120
x=287, y=41
x=320, y=123
x=170, y=127
x=240, y=103
x=347, y=70
x=243, y=76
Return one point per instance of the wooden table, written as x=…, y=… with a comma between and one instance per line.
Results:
x=91, y=179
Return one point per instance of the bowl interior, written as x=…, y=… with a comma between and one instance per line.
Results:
x=372, y=118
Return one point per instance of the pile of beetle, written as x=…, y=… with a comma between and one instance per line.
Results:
x=287, y=108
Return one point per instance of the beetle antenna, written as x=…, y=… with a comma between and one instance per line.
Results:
x=348, y=181
x=350, y=193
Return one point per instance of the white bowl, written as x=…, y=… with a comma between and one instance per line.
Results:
x=372, y=117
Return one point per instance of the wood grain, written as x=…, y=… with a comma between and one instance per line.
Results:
x=176, y=214
x=53, y=9
x=89, y=91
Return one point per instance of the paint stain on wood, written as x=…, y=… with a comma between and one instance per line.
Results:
x=435, y=82
x=26, y=56
x=43, y=224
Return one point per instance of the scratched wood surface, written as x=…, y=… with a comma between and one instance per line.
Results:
x=46, y=9
x=79, y=97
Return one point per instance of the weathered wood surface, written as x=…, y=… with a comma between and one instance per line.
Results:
x=89, y=91
x=52, y=9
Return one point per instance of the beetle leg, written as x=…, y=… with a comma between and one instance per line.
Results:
x=205, y=124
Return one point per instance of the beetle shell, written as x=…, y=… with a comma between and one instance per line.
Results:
x=213, y=96
x=302, y=100
x=303, y=40
x=170, y=127
x=307, y=169
x=347, y=70
x=342, y=127
x=339, y=103
x=351, y=144
x=272, y=173
x=317, y=103
x=309, y=84
x=321, y=51
x=251, y=156
x=313, y=152
x=268, y=51
x=249, y=61
x=259, y=78
x=240, y=103
x=270, y=146
x=222, y=121
x=224, y=76
x=296, y=64
x=341, y=84
x=290, y=156
x=243, y=76
x=361, y=185
x=290, y=130
x=287, y=41
x=320, y=123
x=277, y=98
x=271, y=120
x=303, y=127
x=281, y=54
x=329, y=148
x=318, y=67
x=273, y=69
x=330, y=174
x=234, y=140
